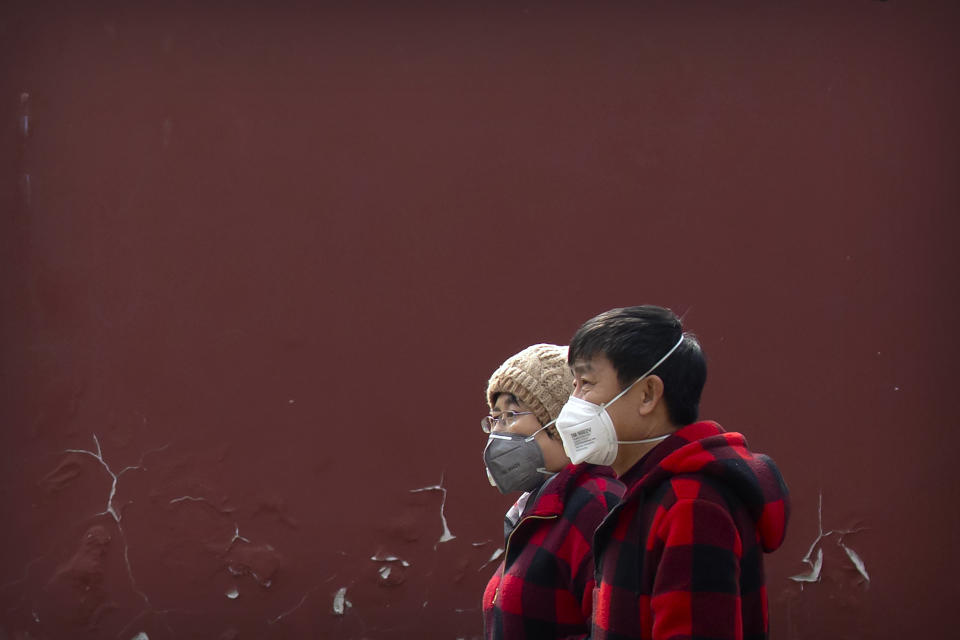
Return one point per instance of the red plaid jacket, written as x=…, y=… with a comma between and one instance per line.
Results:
x=543, y=588
x=681, y=557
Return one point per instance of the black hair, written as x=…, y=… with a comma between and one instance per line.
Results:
x=634, y=339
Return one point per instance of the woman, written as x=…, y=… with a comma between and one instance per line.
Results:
x=543, y=587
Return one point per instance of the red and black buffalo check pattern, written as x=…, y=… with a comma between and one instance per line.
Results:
x=681, y=557
x=544, y=585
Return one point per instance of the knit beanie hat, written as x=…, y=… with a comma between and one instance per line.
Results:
x=538, y=376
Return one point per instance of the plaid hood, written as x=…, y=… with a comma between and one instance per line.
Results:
x=704, y=448
x=681, y=556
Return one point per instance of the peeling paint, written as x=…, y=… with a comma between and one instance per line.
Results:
x=259, y=561
x=232, y=593
x=856, y=560
x=493, y=557
x=446, y=536
x=816, y=563
x=340, y=602
x=815, y=567
x=389, y=558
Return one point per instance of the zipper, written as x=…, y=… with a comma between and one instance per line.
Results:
x=506, y=550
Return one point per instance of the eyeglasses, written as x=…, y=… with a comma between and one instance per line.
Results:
x=507, y=419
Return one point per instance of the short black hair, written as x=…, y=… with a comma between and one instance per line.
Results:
x=634, y=339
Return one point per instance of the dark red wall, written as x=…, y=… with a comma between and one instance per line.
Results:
x=258, y=262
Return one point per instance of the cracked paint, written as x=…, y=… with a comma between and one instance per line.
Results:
x=202, y=500
x=236, y=537
x=112, y=511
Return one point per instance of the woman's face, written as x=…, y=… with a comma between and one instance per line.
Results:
x=554, y=458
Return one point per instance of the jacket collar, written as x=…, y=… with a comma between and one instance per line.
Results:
x=553, y=496
x=646, y=468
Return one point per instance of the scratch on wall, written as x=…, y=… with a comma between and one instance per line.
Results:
x=293, y=608
x=25, y=114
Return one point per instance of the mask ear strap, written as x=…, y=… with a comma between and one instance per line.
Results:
x=627, y=388
x=646, y=441
x=649, y=371
x=531, y=436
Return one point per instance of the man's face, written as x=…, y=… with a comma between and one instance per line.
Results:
x=595, y=380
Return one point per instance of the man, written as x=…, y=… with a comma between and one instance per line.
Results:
x=682, y=555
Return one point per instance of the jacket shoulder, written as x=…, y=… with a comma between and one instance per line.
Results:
x=593, y=492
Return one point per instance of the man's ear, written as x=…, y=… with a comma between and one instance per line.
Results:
x=651, y=391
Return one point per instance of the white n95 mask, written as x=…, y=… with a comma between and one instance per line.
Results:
x=587, y=431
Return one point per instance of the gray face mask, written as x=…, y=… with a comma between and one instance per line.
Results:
x=514, y=462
